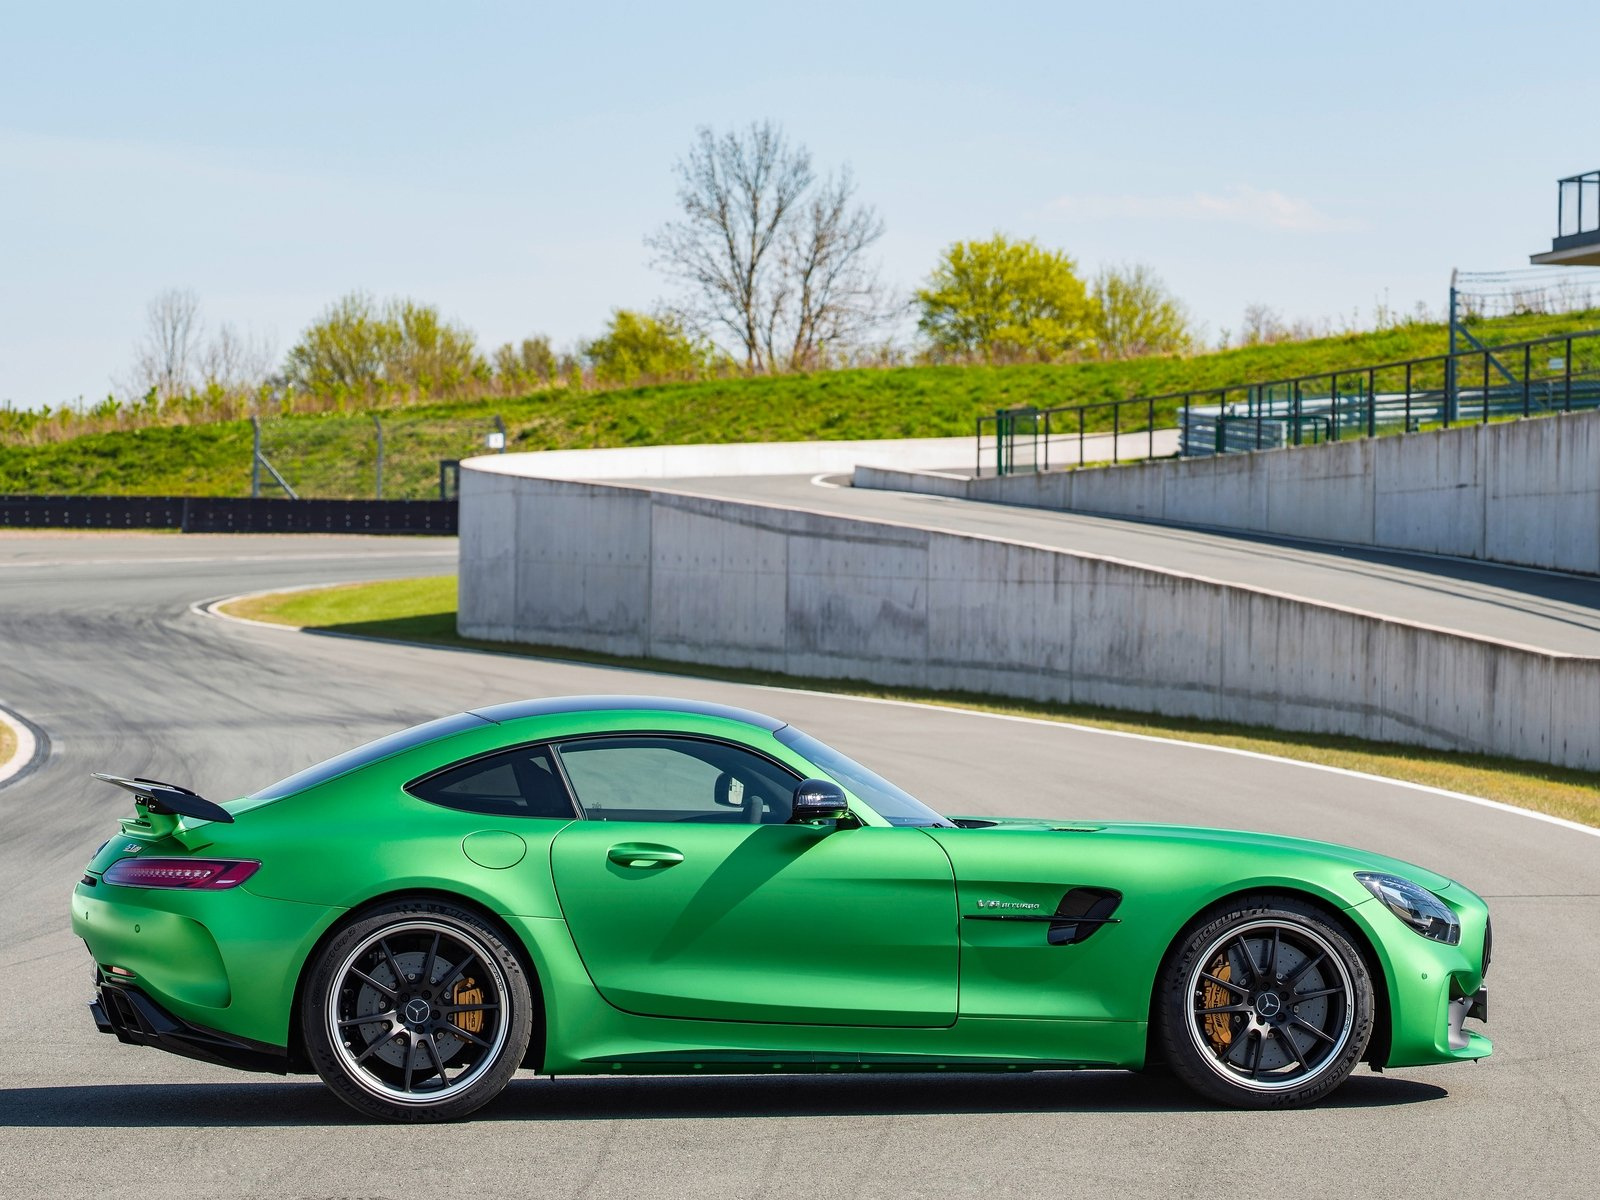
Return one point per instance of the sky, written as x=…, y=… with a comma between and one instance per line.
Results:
x=505, y=162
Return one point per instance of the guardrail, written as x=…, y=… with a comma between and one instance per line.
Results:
x=229, y=514
x=1547, y=375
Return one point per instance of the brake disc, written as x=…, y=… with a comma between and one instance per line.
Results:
x=371, y=1002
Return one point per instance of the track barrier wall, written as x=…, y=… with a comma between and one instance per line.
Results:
x=633, y=570
x=228, y=514
x=1524, y=493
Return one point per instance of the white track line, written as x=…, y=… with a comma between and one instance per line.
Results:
x=212, y=608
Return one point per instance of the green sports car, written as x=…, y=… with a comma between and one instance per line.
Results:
x=616, y=885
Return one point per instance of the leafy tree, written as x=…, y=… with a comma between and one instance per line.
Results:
x=773, y=260
x=528, y=365
x=358, y=346
x=643, y=346
x=344, y=350
x=1006, y=300
x=430, y=354
x=1135, y=315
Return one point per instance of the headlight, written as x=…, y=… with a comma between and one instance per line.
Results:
x=1415, y=905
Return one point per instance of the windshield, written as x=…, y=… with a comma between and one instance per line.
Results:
x=889, y=802
x=369, y=753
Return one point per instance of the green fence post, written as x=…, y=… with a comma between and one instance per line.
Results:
x=1485, y=400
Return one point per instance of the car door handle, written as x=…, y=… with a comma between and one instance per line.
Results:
x=644, y=855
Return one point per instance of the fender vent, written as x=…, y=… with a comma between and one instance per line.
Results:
x=1081, y=913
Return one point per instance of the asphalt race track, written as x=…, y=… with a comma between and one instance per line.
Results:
x=100, y=650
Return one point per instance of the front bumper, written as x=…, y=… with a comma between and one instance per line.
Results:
x=1434, y=987
x=1475, y=1006
x=137, y=1020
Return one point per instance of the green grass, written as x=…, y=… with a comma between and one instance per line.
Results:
x=174, y=460
x=424, y=610
x=331, y=455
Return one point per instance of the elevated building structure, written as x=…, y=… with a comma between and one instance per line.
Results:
x=1577, y=239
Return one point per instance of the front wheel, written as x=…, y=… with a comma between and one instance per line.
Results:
x=1265, y=1005
x=417, y=1012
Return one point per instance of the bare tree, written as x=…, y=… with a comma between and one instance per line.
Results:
x=235, y=362
x=833, y=294
x=165, y=358
x=772, y=262
x=1262, y=325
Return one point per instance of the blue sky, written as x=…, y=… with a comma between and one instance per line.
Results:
x=505, y=161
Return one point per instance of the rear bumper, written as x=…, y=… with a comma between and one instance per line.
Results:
x=227, y=961
x=134, y=1018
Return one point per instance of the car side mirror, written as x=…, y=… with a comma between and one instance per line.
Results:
x=818, y=800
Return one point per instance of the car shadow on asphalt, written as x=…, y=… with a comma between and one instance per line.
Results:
x=268, y=1105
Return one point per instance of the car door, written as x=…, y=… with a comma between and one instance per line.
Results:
x=689, y=895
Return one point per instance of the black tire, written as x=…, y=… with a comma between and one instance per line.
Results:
x=419, y=1011
x=1264, y=1004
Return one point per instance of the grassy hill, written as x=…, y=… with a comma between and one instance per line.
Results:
x=334, y=454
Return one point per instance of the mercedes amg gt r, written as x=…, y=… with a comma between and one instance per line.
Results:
x=615, y=885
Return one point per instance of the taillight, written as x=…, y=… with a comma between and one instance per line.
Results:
x=210, y=874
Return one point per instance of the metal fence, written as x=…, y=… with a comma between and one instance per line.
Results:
x=229, y=514
x=1524, y=379
x=362, y=455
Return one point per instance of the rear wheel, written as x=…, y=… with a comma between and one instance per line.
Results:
x=1265, y=1005
x=417, y=1012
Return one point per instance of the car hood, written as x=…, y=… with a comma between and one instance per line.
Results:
x=1198, y=836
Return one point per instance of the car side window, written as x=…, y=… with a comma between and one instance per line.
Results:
x=514, y=783
x=659, y=778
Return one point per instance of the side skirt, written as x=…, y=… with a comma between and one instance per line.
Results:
x=745, y=1062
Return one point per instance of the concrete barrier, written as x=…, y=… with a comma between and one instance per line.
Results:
x=740, y=458
x=1525, y=493
x=644, y=570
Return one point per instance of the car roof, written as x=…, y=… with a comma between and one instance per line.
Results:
x=558, y=705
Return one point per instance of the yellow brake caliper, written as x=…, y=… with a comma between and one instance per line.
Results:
x=467, y=991
x=1219, y=1029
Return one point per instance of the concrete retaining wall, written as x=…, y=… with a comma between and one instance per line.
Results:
x=639, y=571
x=1519, y=492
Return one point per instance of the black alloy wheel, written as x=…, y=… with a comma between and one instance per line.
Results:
x=418, y=1012
x=1265, y=1004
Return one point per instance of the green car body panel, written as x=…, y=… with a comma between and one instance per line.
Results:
x=764, y=946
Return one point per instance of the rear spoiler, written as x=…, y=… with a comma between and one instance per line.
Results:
x=168, y=799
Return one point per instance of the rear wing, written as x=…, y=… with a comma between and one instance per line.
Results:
x=168, y=799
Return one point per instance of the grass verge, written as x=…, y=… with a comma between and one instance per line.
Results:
x=8, y=744
x=334, y=453
x=424, y=610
